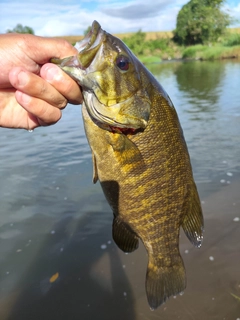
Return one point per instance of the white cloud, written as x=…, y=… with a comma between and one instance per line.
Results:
x=62, y=17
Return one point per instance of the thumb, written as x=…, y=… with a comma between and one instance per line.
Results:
x=47, y=48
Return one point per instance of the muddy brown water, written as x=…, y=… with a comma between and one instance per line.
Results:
x=57, y=256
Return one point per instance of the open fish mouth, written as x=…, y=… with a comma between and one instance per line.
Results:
x=87, y=49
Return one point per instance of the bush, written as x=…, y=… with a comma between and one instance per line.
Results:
x=158, y=44
x=232, y=39
x=192, y=52
x=137, y=42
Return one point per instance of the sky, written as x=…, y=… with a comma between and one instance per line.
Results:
x=72, y=17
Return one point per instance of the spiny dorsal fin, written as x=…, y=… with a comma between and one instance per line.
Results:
x=123, y=235
x=193, y=219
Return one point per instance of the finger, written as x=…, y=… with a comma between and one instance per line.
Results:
x=45, y=113
x=62, y=82
x=53, y=48
x=37, y=87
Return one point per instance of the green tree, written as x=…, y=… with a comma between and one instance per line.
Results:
x=201, y=21
x=21, y=29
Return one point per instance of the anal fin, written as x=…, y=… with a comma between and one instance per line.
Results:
x=123, y=235
x=193, y=219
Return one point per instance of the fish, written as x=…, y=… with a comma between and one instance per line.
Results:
x=139, y=156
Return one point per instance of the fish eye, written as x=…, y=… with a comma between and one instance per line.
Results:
x=122, y=63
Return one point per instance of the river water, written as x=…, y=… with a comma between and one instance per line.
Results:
x=57, y=256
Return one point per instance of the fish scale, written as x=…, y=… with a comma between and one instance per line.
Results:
x=139, y=156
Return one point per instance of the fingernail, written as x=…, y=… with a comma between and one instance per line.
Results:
x=25, y=98
x=52, y=73
x=22, y=78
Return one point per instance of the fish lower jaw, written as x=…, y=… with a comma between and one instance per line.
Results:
x=122, y=130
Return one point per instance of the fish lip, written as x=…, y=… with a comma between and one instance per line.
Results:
x=90, y=39
x=89, y=46
x=87, y=49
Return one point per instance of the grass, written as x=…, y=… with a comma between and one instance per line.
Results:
x=211, y=53
x=158, y=46
x=149, y=59
x=149, y=35
x=236, y=297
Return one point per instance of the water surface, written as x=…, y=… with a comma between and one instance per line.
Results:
x=55, y=222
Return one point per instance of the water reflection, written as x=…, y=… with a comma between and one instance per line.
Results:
x=91, y=278
x=206, y=95
x=201, y=81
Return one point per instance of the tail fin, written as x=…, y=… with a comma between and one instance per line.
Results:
x=163, y=282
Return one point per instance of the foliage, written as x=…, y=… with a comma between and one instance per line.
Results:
x=158, y=44
x=21, y=29
x=201, y=22
x=204, y=52
x=163, y=48
x=232, y=39
x=85, y=32
x=153, y=50
x=136, y=42
x=193, y=51
x=149, y=59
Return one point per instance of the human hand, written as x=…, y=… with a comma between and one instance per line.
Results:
x=32, y=91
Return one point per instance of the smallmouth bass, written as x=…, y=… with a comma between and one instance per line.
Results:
x=139, y=156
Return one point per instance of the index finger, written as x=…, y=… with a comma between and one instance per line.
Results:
x=62, y=82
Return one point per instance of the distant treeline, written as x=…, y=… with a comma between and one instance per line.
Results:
x=201, y=33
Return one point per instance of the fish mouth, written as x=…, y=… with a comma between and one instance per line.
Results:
x=87, y=50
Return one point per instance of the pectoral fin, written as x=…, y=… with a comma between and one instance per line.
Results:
x=126, y=152
x=95, y=173
x=123, y=235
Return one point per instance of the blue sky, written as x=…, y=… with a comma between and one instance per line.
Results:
x=72, y=17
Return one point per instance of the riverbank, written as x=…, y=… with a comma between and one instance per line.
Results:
x=153, y=47
x=198, y=52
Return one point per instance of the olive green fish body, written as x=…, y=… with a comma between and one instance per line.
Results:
x=141, y=160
